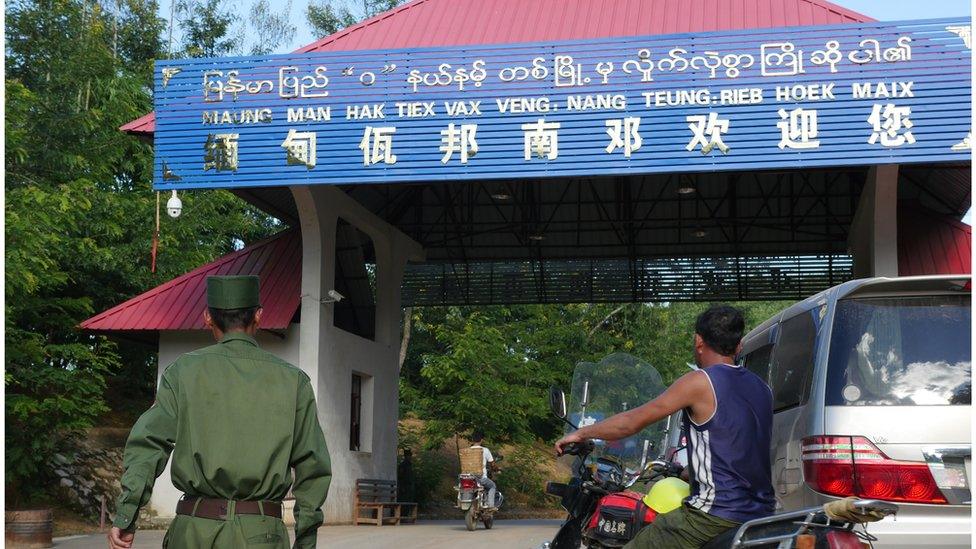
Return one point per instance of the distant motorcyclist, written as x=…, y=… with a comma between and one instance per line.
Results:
x=476, y=438
x=728, y=415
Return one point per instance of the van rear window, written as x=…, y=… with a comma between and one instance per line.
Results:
x=901, y=351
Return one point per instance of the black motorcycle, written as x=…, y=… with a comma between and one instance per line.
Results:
x=602, y=511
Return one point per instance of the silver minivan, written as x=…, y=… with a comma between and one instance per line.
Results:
x=871, y=385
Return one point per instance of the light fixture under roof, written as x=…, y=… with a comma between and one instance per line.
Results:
x=687, y=188
x=537, y=236
x=700, y=233
x=501, y=192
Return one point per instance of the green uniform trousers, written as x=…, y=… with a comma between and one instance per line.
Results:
x=240, y=531
x=683, y=528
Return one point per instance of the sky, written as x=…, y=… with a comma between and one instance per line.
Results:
x=884, y=10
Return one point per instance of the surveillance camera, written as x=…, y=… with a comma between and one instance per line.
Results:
x=336, y=296
x=174, y=206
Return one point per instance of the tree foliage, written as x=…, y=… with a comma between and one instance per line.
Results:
x=490, y=367
x=214, y=28
x=207, y=26
x=271, y=28
x=477, y=368
x=330, y=16
x=80, y=215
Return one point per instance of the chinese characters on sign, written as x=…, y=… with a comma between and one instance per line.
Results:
x=891, y=128
x=891, y=125
x=220, y=152
x=855, y=94
x=713, y=127
x=460, y=140
x=541, y=139
x=799, y=129
x=624, y=134
x=377, y=146
x=300, y=147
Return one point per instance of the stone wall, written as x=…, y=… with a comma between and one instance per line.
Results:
x=86, y=476
x=87, y=473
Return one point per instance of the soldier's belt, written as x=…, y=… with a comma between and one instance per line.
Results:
x=217, y=509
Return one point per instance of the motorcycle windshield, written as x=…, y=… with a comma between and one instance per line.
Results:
x=616, y=384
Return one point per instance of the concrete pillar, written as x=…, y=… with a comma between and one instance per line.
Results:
x=331, y=356
x=873, y=240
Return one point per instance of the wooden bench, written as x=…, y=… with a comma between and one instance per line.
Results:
x=378, y=498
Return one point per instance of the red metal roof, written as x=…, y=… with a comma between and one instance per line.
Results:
x=431, y=23
x=179, y=303
x=932, y=243
x=144, y=125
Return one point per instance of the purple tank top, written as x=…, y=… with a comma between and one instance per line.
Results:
x=731, y=476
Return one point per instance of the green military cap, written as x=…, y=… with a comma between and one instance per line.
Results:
x=233, y=292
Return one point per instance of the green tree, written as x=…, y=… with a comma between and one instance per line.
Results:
x=58, y=95
x=207, y=26
x=138, y=38
x=80, y=217
x=271, y=30
x=490, y=367
x=330, y=16
x=475, y=371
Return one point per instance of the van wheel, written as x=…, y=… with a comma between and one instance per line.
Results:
x=469, y=519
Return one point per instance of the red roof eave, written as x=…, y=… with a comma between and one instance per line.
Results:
x=144, y=125
x=179, y=303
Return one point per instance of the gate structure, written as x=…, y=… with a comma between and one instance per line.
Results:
x=525, y=152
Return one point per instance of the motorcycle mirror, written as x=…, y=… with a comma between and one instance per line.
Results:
x=557, y=402
x=585, y=399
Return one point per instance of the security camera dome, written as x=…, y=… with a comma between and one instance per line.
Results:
x=174, y=206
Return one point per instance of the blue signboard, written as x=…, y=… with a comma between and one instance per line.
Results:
x=857, y=94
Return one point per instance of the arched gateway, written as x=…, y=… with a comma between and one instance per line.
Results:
x=505, y=151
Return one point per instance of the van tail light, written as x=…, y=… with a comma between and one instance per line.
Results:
x=469, y=484
x=853, y=466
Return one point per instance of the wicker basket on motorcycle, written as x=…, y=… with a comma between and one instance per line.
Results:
x=472, y=461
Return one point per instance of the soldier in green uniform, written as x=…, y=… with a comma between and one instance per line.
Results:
x=238, y=420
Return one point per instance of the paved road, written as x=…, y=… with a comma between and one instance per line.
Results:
x=514, y=534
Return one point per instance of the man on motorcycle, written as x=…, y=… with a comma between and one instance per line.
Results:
x=728, y=415
x=487, y=458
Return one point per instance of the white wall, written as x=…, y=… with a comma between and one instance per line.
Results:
x=174, y=344
x=330, y=355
